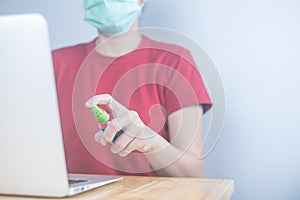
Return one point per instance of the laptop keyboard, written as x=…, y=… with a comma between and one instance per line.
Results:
x=73, y=181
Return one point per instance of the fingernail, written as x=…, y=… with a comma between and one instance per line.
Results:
x=87, y=104
x=114, y=149
x=122, y=154
x=102, y=141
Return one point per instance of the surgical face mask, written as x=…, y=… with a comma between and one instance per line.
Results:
x=112, y=17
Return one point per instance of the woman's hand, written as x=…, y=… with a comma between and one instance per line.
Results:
x=136, y=136
x=179, y=158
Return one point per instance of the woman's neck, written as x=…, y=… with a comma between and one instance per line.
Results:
x=119, y=45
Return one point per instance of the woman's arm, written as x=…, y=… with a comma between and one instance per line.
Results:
x=182, y=156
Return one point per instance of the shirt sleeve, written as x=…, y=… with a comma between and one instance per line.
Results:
x=186, y=87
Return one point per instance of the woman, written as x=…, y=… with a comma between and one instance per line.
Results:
x=152, y=89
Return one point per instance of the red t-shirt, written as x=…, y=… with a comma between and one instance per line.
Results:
x=155, y=80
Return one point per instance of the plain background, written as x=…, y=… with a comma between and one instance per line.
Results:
x=255, y=46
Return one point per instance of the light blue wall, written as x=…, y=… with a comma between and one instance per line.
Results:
x=256, y=47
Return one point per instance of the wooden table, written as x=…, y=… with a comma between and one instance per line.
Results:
x=134, y=187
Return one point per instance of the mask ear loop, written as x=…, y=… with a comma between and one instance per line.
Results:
x=142, y=8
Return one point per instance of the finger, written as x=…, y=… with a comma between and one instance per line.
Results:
x=140, y=143
x=109, y=101
x=118, y=123
x=99, y=99
x=99, y=138
x=122, y=141
x=132, y=146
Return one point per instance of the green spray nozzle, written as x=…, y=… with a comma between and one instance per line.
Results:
x=100, y=114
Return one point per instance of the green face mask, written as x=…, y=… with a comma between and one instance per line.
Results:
x=112, y=17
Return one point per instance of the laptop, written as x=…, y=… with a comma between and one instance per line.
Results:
x=32, y=160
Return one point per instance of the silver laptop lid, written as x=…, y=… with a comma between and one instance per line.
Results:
x=31, y=148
